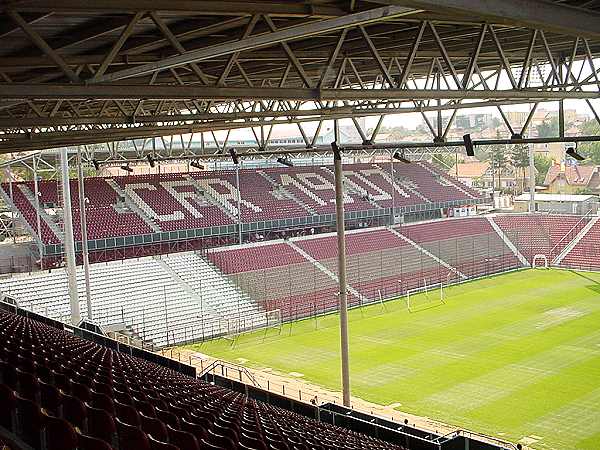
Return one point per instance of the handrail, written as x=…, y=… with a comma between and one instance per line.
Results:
x=589, y=213
x=226, y=364
x=487, y=437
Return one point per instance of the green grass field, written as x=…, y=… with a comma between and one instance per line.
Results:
x=514, y=356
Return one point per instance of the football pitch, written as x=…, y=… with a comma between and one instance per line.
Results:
x=514, y=356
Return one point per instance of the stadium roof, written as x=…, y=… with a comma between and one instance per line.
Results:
x=81, y=72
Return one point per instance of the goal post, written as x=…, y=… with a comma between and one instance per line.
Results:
x=273, y=319
x=427, y=296
x=540, y=259
x=229, y=329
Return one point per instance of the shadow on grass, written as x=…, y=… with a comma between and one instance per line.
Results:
x=595, y=286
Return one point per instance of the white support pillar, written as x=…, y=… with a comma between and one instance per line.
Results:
x=531, y=179
x=36, y=193
x=68, y=233
x=343, y=295
x=392, y=187
x=13, y=208
x=84, y=235
x=239, y=202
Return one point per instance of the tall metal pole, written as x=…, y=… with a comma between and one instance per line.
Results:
x=36, y=192
x=531, y=179
x=13, y=208
x=393, y=188
x=239, y=202
x=84, y=235
x=339, y=212
x=68, y=236
x=166, y=313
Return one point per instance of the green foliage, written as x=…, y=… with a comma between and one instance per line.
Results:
x=443, y=161
x=584, y=191
x=498, y=160
x=513, y=355
x=548, y=127
x=542, y=164
x=590, y=149
x=495, y=122
x=519, y=158
x=397, y=133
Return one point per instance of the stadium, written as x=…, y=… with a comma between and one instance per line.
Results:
x=293, y=225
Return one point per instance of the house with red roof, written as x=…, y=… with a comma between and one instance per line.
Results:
x=575, y=179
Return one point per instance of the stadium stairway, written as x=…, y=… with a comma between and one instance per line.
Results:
x=286, y=192
x=508, y=242
x=571, y=245
x=413, y=190
x=353, y=187
x=233, y=308
x=213, y=197
x=428, y=253
x=329, y=273
x=449, y=181
x=133, y=206
x=43, y=214
x=18, y=213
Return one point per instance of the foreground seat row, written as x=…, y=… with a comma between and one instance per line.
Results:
x=60, y=392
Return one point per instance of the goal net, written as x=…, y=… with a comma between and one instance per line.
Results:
x=427, y=296
x=540, y=261
x=229, y=328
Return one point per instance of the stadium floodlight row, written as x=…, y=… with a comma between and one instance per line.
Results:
x=131, y=211
x=192, y=296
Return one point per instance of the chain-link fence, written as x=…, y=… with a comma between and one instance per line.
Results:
x=305, y=289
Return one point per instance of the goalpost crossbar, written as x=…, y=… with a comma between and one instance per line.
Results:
x=537, y=258
x=430, y=298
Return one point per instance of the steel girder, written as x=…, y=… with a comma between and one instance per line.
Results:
x=200, y=66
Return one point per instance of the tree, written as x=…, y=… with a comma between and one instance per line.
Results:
x=542, y=165
x=591, y=150
x=495, y=122
x=519, y=158
x=498, y=161
x=548, y=128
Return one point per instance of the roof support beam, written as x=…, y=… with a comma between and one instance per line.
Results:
x=109, y=58
x=166, y=32
x=263, y=40
x=10, y=91
x=203, y=7
x=83, y=138
x=42, y=45
x=529, y=13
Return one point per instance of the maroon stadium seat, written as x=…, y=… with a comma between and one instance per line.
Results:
x=100, y=424
x=74, y=410
x=85, y=442
x=30, y=422
x=132, y=437
x=183, y=439
x=210, y=417
x=58, y=434
x=8, y=410
x=159, y=445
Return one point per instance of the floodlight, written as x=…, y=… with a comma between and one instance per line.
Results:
x=400, y=157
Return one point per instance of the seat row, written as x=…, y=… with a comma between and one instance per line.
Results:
x=59, y=391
